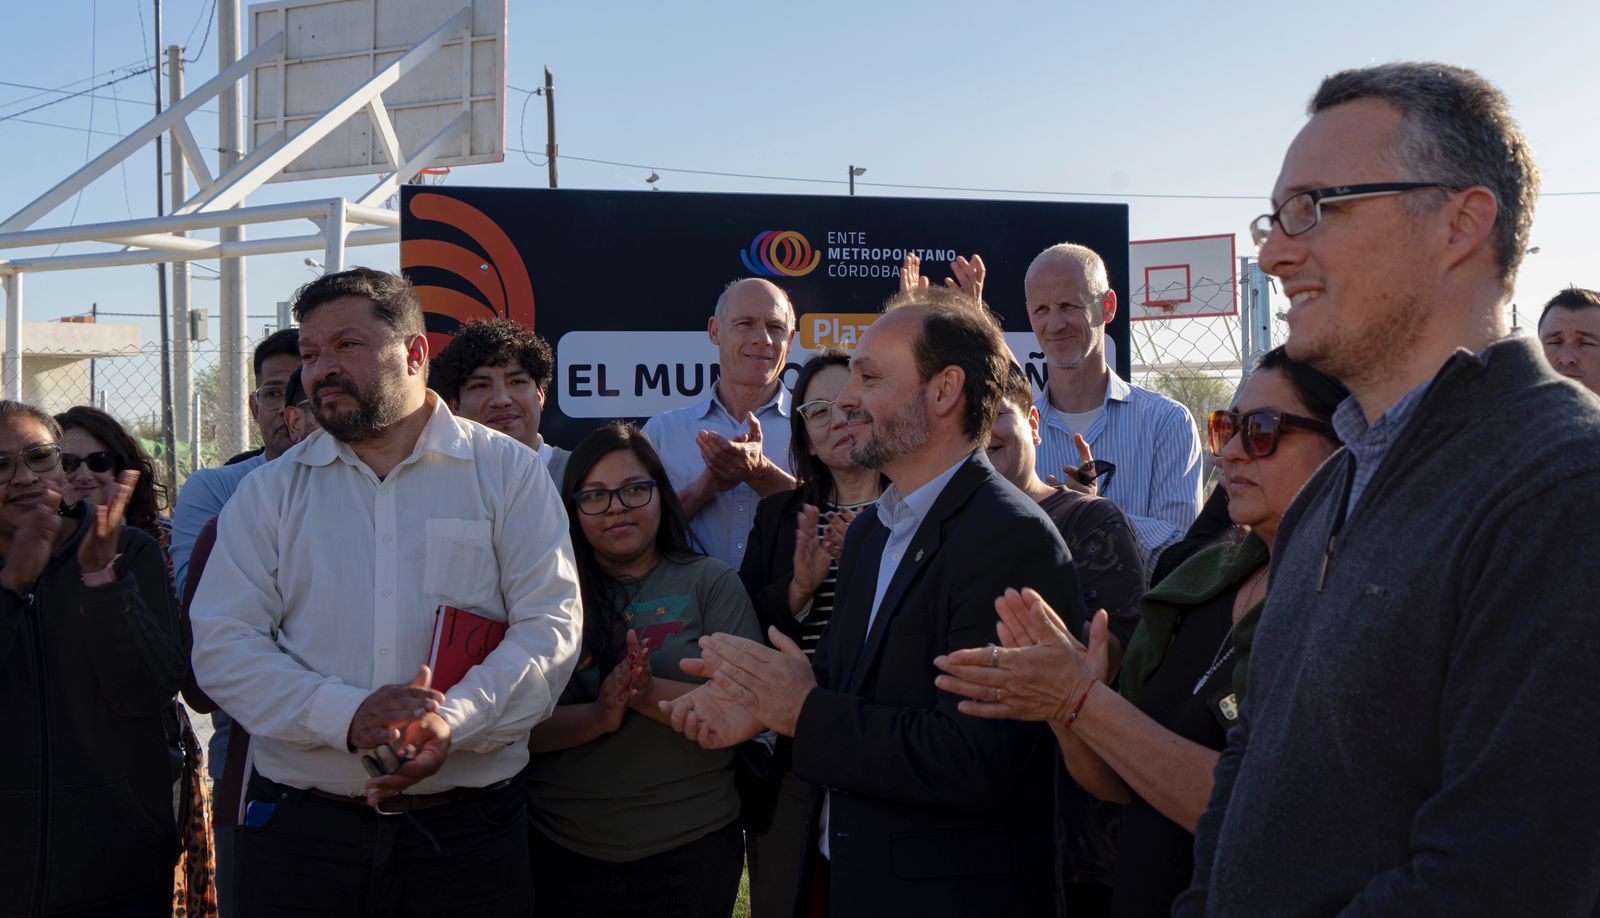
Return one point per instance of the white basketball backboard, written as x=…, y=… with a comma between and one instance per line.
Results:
x=1182, y=278
x=333, y=47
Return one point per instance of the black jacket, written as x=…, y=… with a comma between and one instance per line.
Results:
x=768, y=561
x=934, y=812
x=86, y=800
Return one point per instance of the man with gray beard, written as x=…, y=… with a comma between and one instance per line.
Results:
x=919, y=809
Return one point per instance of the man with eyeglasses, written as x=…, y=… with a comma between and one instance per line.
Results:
x=1419, y=732
x=728, y=451
x=1149, y=437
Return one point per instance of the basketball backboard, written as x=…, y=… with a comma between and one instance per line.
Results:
x=333, y=47
x=1182, y=278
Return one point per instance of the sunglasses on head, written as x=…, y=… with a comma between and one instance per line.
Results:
x=1260, y=429
x=98, y=462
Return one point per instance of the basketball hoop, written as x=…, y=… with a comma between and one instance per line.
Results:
x=1166, y=309
x=436, y=173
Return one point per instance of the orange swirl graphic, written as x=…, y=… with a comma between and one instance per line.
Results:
x=498, y=276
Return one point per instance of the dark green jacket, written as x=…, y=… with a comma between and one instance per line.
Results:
x=1208, y=574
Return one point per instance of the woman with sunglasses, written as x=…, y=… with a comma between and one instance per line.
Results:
x=1155, y=745
x=89, y=661
x=95, y=449
x=628, y=819
x=789, y=572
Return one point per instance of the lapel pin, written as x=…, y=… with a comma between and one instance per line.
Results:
x=919, y=555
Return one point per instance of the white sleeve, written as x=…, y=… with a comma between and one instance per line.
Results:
x=501, y=699
x=236, y=616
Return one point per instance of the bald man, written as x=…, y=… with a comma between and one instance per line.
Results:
x=1150, y=438
x=727, y=452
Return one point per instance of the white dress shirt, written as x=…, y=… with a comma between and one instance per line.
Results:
x=324, y=582
x=723, y=524
x=1153, y=443
x=902, y=516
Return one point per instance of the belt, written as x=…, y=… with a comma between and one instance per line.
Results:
x=411, y=803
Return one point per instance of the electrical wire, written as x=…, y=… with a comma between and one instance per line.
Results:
x=88, y=139
x=65, y=86
x=210, y=17
x=127, y=76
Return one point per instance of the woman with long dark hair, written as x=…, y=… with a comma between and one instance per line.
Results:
x=95, y=449
x=1154, y=745
x=628, y=818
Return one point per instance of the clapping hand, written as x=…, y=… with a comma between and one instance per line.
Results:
x=968, y=279
x=99, y=547
x=639, y=677
x=812, y=559
x=32, y=543
x=709, y=715
x=733, y=461
x=1039, y=673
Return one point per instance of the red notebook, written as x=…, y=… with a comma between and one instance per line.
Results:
x=461, y=640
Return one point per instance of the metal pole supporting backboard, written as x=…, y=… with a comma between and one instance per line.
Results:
x=232, y=429
x=182, y=371
x=13, y=285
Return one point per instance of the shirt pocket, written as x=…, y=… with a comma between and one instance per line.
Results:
x=459, y=567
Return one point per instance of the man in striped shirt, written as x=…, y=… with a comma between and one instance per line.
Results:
x=1087, y=410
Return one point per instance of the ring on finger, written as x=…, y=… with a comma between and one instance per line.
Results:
x=994, y=655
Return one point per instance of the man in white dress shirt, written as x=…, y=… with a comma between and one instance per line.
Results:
x=497, y=372
x=317, y=612
x=1150, y=438
x=727, y=452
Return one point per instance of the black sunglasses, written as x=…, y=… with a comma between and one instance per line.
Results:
x=98, y=462
x=1261, y=429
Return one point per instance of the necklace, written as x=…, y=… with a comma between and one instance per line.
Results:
x=1225, y=652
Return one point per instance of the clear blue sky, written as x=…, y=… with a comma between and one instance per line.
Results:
x=1108, y=99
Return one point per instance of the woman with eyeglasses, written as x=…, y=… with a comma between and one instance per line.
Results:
x=628, y=819
x=1154, y=745
x=789, y=571
x=89, y=660
x=95, y=449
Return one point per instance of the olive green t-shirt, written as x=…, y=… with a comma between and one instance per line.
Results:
x=644, y=789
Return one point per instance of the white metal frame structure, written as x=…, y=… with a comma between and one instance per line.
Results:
x=216, y=203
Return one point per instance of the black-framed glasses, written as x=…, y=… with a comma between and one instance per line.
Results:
x=1097, y=472
x=99, y=462
x=41, y=457
x=1301, y=212
x=271, y=395
x=1260, y=429
x=633, y=495
x=816, y=412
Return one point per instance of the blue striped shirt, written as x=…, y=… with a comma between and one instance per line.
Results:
x=1153, y=443
x=723, y=525
x=1369, y=444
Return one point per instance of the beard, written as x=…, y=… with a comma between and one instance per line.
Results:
x=372, y=415
x=1358, y=354
x=903, y=432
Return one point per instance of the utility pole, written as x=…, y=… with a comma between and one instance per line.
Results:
x=182, y=372
x=855, y=171
x=167, y=439
x=550, y=146
x=232, y=432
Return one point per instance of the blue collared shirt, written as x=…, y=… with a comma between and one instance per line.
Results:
x=1153, y=443
x=200, y=502
x=1369, y=444
x=723, y=525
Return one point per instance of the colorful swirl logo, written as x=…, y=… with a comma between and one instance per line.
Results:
x=780, y=254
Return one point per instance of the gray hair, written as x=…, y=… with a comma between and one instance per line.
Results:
x=1078, y=257
x=1456, y=129
x=727, y=292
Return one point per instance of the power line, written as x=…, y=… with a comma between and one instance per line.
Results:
x=145, y=103
x=210, y=17
x=66, y=127
x=127, y=76
x=66, y=86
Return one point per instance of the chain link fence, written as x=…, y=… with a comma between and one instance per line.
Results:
x=1198, y=361
x=127, y=385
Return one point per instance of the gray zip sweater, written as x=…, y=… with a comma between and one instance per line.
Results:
x=1420, y=736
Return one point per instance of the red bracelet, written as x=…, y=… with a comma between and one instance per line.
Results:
x=1079, y=708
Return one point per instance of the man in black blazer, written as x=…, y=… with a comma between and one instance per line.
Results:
x=921, y=809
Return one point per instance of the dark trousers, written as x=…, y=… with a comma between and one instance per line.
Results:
x=696, y=880
x=314, y=856
x=778, y=855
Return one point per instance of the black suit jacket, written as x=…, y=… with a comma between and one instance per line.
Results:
x=769, y=561
x=934, y=812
